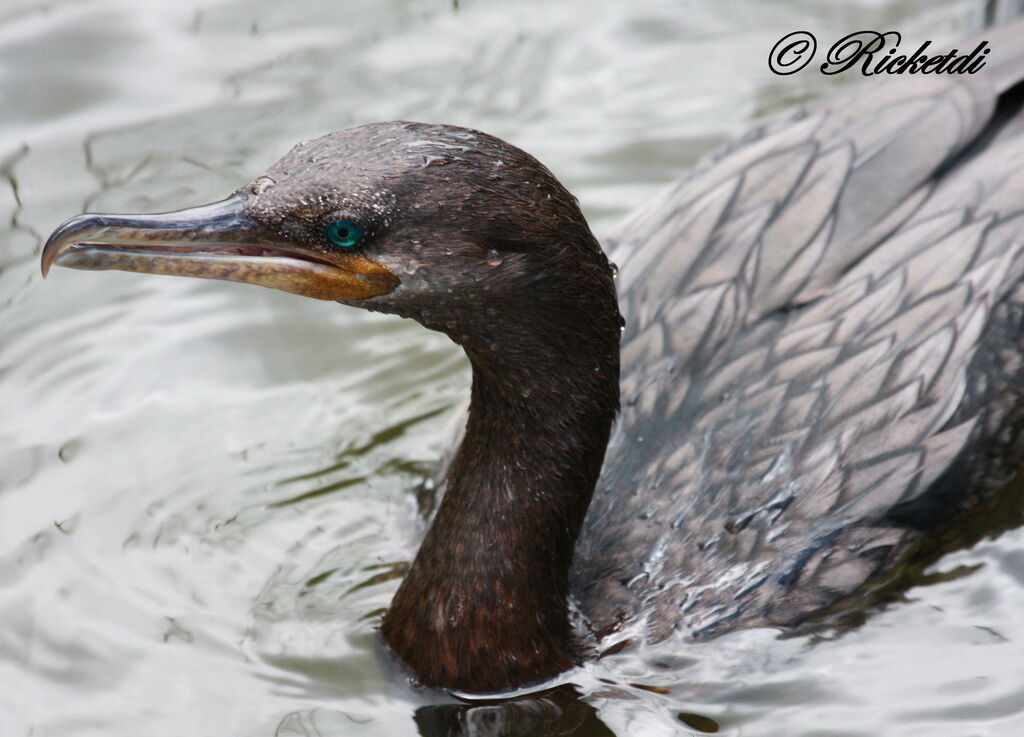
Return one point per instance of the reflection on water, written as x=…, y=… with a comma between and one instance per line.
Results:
x=206, y=490
x=556, y=713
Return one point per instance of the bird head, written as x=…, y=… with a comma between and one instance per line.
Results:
x=426, y=221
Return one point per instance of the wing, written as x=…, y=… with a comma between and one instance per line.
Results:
x=823, y=325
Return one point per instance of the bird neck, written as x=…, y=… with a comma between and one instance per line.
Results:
x=484, y=605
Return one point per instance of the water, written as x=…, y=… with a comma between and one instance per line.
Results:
x=206, y=489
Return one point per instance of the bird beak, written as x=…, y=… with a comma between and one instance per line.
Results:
x=216, y=241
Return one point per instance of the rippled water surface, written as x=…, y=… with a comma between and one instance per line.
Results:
x=206, y=488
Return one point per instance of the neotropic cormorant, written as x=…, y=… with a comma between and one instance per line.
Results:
x=821, y=355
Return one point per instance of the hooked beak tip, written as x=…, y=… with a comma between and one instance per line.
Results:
x=51, y=252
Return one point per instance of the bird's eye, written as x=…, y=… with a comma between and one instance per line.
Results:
x=345, y=233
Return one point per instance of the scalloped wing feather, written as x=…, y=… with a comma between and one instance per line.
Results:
x=807, y=316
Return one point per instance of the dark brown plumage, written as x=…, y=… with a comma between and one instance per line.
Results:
x=821, y=357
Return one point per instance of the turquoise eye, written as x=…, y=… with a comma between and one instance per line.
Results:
x=345, y=233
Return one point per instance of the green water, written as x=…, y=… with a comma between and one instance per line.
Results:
x=206, y=488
